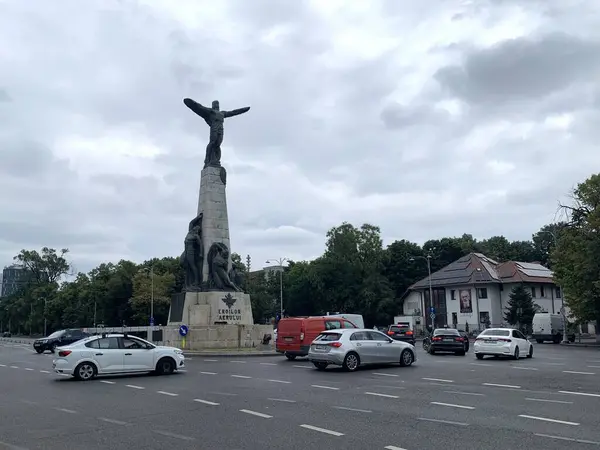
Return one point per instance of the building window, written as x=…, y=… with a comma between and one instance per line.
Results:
x=452, y=294
x=482, y=293
x=533, y=292
x=542, y=293
x=558, y=293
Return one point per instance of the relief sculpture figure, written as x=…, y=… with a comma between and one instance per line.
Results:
x=193, y=256
x=215, y=119
x=218, y=264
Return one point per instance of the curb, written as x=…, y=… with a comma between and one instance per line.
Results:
x=229, y=354
x=17, y=341
x=575, y=344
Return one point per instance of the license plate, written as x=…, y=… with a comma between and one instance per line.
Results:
x=449, y=340
x=288, y=339
x=491, y=341
x=321, y=347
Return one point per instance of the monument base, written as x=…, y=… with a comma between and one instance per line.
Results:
x=226, y=337
x=210, y=308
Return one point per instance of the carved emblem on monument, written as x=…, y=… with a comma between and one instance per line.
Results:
x=229, y=300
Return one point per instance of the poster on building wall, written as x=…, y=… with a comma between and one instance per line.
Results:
x=466, y=306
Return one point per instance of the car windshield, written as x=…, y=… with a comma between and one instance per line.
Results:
x=328, y=337
x=57, y=334
x=446, y=331
x=496, y=333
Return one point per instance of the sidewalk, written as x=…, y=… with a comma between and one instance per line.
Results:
x=224, y=353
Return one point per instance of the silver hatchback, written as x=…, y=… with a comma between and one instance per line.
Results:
x=351, y=348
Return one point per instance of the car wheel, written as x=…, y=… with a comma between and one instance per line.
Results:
x=165, y=366
x=85, y=371
x=478, y=356
x=516, y=355
x=530, y=354
x=39, y=350
x=406, y=358
x=320, y=365
x=431, y=351
x=351, y=362
x=290, y=357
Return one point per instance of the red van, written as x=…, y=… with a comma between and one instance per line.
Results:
x=295, y=334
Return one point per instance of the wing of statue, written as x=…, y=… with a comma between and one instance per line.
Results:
x=236, y=112
x=195, y=221
x=202, y=111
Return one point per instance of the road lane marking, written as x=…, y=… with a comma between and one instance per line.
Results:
x=465, y=393
x=449, y=422
x=578, y=373
x=208, y=373
x=555, y=364
x=211, y=360
x=114, y=421
x=438, y=379
x=44, y=371
x=593, y=361
x=322, y=430
x=14, y=367
x=524, y=368
x=10, y=446
x=452, y=405
x=545, y=419
x=238, y=362
x=385, y=374
x=206, y=402
x=68, y=411
x=586, y=394
x=318, y=386
x=548, y=401
x=377, y=394
x=229, y=394
x=593, y=367
x=303, y=367
x=352, y=409
x=393, y=447
x=29, y=369
x=133, y=386
x=280, y=381
x=283, y=400
x=173, y=435
x=241, y=376
x=257, y=414
x=511, y=386
x=107, y=382
x=563, y=438
x=2, y=365
x=481, y=364
x=268, y=364
x=170, y=394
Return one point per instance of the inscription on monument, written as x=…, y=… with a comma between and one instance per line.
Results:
x=229, y=314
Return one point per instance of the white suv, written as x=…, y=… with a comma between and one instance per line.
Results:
x=109, y=354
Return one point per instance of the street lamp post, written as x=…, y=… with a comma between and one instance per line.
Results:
x=279, y=261
x=45, y=317
x=565, y=338
x=428, y=259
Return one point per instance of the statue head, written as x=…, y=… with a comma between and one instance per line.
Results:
x=215, y=105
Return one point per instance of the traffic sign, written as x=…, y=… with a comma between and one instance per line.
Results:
x=183, y=330
x=432, y=310
x=432, y=315
x=151, y=321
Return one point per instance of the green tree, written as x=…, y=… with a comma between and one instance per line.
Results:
x=398, y=267
x=544, y=241
x=520, y=308
x=151, y=289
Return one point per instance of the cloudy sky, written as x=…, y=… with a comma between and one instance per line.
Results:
x=428, y=118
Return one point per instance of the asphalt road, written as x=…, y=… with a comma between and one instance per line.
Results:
x=442, y=402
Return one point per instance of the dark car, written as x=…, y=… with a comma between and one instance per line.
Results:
x=57, y=339
x=6, y=334
x=447, y=340
x=465, y=336
x=400, y=333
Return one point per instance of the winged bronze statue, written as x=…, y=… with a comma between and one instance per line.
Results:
x=215, y=119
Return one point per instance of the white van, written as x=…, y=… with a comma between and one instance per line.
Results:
x=547, y=327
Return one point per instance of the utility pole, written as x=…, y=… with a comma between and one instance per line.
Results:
x=45, y=317
x=424, y=312
x=280, y=262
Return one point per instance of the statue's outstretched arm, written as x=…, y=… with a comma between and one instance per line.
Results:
x=236, y=112
x=202, y=111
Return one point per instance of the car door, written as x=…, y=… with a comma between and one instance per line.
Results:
x=364, y=346
x=385, y=351
x=137, y=355
x=107, y=354
x=522, y=342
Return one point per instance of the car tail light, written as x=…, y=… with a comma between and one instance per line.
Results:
x=504, y=340
x=64, y=353
x=478, y=339
x=390, y=333
x=409, y=333
x=336, y=344
x=459, y=339
x=437, y=338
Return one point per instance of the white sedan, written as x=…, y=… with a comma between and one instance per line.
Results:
x=109, y=354
x=502, y=342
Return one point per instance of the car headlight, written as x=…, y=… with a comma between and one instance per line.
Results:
x=178, y=352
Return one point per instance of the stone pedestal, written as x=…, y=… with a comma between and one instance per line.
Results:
x=211, y=308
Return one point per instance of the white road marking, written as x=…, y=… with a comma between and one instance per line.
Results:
x=29, y=369
x=268, y=364
x=116, y=422
x=352, y=409
x=578, y=373
x=438, y=379
x=385, y=374
x=206, y=402
x=133, y=386
x=303, y=367
x=562, y=438
x=322, y=430
x=173, y=435
x=2, y=365
x=14, y=367
x=548, y=401
x=525, y=368
x=208, y=373
x=377, y=394
x=229, y=394
x=393, y=447
x=481, y=364
x=280, y=381
x=465, y=393
x=68, y=411
x=283, y=400
x=171, y=394
x=545, y=419
x=452, y=405
x=107, y=382
x=257, y=414
x=211, y=360
x=586, y=394
x=325, y=387
x=502, y=385
x=593, y=361
x=44, y=371
x=555, y=364
x=461, y=424
x=238, y=362
x=241, y=376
